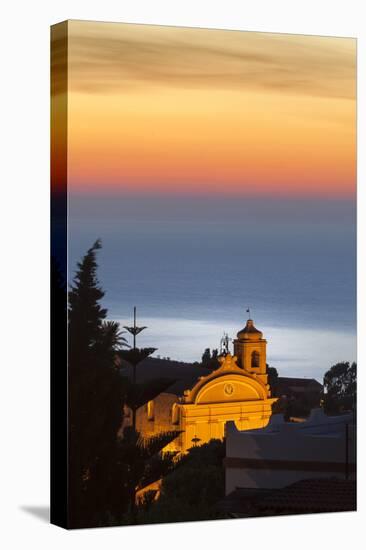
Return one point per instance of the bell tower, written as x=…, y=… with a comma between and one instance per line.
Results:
x=250, y=349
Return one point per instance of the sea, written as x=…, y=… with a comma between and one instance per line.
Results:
x=193, y=266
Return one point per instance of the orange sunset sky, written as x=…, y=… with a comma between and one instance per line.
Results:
x=172, y=109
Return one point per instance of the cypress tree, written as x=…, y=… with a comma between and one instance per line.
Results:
x=106, y=465
x=96, y=398
x=85, y=313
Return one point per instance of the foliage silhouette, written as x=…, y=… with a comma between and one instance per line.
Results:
x=108, y=464
x=210, y=360
x=96, y=399
x=191, y=491
x=58, y=386
x=340, y=385
x=272, y=377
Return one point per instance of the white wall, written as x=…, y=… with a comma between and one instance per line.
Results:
x=288, y=442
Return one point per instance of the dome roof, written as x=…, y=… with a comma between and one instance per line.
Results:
x=249, y=332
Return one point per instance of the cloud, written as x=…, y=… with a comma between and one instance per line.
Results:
x=117, y=57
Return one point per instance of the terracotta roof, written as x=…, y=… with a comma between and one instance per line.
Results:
x=312, y=495
x=241, y=501
x=249, y=327
x=305, y=496
x=293, y=382
x=183, y=375
x=249, y=330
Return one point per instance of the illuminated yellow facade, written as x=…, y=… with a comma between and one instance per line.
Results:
x=238, y=390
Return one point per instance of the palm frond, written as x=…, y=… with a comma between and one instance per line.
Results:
x=113, y=336
x=153, y=445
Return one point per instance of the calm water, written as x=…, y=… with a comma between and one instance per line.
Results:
x=193, y=265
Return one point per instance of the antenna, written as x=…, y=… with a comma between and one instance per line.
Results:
x=135, y=330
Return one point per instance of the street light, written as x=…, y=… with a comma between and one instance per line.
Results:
x=134, y=356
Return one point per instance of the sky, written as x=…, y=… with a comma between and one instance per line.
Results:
x=219, y=170
x=179, y=110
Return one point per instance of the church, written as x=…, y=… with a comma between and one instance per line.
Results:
x=200, y=401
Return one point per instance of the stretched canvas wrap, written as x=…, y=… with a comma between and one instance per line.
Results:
x=203, y=274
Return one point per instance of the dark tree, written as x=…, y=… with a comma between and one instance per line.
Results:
x=96, y=399
x=192, y=490
x=272, y=377
x=108, y=463
x=85, y=313
x=340, y=385
x=143, y=463
x=58, y=392
x=142, y=457
x=208, y=360
x=206, y=356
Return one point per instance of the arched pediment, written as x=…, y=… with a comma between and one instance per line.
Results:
x=230, y=387
x=229, y=383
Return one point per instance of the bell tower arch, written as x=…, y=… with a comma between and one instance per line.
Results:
x=251, y=350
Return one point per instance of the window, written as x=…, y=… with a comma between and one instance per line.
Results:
x=175, y=413
x=255, y=359
x=150, y=410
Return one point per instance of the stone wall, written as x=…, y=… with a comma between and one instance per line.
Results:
x=157, y=418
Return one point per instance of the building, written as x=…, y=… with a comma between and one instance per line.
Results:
x=200, y=401
x=307, y=496
x=284, y=453
x=298, y=396
x=308, y=389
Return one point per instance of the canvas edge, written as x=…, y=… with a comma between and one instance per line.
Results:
x=58, y=253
